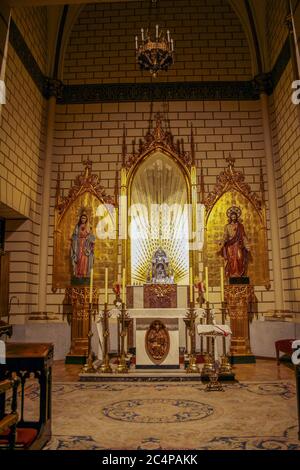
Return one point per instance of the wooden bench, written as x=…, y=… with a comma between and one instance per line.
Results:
x=26, y=360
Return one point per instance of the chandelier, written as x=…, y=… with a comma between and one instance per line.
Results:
x=157, y=54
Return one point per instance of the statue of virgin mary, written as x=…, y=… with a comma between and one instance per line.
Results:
x=82, y=248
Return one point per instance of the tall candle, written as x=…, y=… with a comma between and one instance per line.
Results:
x=206, y=284
x=123, y=287
x=191, y=285
x=91, y=285
x=222, y=283
x=157, y=31
x=106, y=286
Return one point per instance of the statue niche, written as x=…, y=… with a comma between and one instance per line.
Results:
x=161, y=271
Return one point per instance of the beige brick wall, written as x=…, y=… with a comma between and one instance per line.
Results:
x=95, y=130
x=286, y=143
x=22, y=130
x=276, y=29
x=32, y=23
x=209, y=40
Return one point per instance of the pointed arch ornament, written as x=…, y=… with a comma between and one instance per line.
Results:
x=87, y=196
x=158, y=147
x=231, y=190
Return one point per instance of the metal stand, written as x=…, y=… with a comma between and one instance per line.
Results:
x=124, y=321
x=105, y=367
x=190, y=323
x=208, y=359
x=225, y=367
x=88, y=368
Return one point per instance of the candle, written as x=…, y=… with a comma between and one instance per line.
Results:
x=172, y=45
x=157, y=31
x=142, y=31
x=91, y=285
x=206, y=283
x=222, y=283
x=123, y=287
x=191, y=285
x=106, y=286
x=168, y=35
x=136, y=42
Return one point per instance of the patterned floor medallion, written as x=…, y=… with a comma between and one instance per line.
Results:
x=158, y=411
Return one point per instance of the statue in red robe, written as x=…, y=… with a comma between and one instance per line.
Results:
x=82, y=248
x=235, y=248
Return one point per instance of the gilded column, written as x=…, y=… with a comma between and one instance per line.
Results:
x=238, y=298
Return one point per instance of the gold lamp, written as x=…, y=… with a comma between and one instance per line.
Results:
x=154, y=54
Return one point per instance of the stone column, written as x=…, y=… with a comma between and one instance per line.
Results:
x=238, y=298
x=53, y=90
x=264, y=87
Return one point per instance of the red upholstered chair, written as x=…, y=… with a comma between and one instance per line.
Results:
x=285, y=346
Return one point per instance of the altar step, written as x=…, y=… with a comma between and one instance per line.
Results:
x=153, y=375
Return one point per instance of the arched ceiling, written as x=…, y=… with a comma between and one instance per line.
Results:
x=254, y=27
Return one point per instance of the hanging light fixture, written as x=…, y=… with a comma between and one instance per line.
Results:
x=157, y=54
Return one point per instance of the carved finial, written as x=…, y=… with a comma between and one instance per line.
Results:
x=116, y=187
x=124, y=148
x=230, y=160
x=57, y=193
x=88, y=167
x=202, y=189
x=158, y=132
x=192, y=145
x=262, y=185
x=182, y=146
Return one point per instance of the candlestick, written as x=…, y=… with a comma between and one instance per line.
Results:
x=106, y=285
x=191, y=285
x=172, y=45
x=222, y=283
x=123, y=287
x=206, y=284
x=91, y=285
x=168, y=35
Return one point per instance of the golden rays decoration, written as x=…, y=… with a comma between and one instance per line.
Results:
x=160, y=173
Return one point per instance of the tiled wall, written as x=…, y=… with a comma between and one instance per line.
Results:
x=21, y=159
x=210, y=43
x=286, y=146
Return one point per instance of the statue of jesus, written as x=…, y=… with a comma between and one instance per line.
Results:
x=235, y=248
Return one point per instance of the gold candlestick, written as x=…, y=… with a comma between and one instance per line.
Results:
x=190, y=322
x=105, y=367
x=88, y=368
x=208, y=359
x=225, y=367
x=124, y=320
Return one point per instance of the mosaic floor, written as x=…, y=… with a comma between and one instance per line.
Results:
x=246, y=415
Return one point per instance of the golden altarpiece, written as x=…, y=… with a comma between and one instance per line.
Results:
x=159, y=228
x=232, y=194
x=85, y=243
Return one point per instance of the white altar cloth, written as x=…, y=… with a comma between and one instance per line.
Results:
x=216, y=331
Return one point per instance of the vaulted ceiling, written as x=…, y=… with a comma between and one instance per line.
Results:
x=62, y=16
